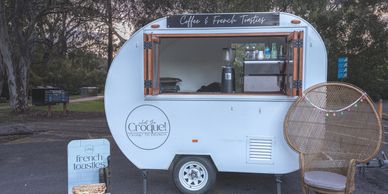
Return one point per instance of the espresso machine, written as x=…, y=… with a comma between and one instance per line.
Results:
x=228, y=77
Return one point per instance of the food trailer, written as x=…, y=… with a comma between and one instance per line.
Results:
x=201, y=93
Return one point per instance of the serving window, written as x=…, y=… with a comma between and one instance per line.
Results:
x=262, y=64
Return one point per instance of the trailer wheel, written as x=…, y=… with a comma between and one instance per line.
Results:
x=194, y=175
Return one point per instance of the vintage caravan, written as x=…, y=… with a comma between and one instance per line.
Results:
x=201, y=93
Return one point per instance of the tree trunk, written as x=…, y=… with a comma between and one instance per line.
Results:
x=17, y=69
x=62, y=35
x=2, y=80
x=2, y=75
x=5, y=51
x=110, y=32
x=22, y=100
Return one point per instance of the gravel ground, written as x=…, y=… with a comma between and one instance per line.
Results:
x=34, y=161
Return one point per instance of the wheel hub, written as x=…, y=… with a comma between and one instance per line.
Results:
x=193, y=176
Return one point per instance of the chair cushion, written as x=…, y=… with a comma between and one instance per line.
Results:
x=325, y=180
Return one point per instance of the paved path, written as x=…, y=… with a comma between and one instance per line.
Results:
x=83, y=99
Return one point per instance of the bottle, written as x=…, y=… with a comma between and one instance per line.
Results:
x=247, y=53
x=257, y=54
x=254, y=54
x=274, y=52
x=281, y=51
x=267, y=53
x=260, y=55
x=228, y=79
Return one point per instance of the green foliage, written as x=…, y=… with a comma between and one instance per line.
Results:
x=69, y=37
x=353, y=28
x=72, y=71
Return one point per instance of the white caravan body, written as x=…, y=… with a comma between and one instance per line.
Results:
x=240, y=133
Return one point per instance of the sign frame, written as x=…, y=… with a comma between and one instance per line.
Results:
x=223, y=20
x=342, y=64
x=84, y=159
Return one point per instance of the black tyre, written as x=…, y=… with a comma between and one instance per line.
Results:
x=194, y=174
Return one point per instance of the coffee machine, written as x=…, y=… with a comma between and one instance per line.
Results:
x=228, y=76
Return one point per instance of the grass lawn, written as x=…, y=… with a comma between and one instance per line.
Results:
x=86, y=106
x=3, y=105
x=74, y=97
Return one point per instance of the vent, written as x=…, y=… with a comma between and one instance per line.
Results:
x=259, y=150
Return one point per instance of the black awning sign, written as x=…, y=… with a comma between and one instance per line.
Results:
x=222, y=20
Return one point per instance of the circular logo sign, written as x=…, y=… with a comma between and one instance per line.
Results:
x=147, y=127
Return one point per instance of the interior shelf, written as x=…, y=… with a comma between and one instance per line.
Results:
x=265, y=62
x=265, y=74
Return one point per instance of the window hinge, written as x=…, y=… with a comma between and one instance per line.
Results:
x=297, y=84
x=297, y=43
x=147, y=45
x=147, y=83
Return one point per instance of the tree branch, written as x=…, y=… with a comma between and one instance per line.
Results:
x=122, y=40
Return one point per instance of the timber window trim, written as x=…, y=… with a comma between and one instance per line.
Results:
x=152, y=64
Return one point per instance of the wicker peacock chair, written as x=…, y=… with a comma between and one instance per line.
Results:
x=333, y=126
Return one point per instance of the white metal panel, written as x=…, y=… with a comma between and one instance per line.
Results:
x=219, y=123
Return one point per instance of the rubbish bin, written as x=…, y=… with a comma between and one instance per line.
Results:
x=88, y=91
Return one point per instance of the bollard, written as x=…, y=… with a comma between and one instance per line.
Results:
x=144, y=173
x=278, y=180
x=49, y=111
x=65, y=107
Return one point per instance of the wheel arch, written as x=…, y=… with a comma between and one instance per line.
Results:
x=177, y=157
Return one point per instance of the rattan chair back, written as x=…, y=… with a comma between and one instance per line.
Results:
x=331, y=124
